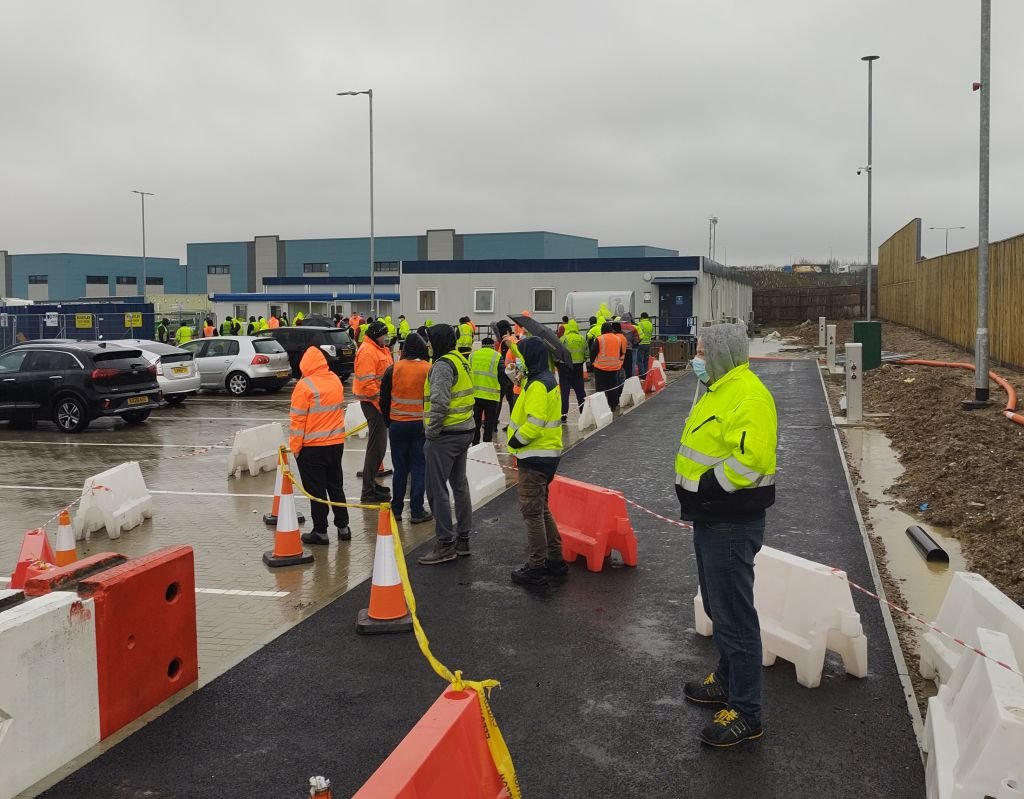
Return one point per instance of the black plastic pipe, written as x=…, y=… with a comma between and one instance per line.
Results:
x=932, y=552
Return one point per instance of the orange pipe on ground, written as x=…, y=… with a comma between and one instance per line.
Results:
x=1010, y=411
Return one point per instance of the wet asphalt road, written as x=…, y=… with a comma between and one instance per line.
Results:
x=592, y=671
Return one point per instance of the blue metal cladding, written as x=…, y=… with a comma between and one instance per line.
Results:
x=234, y=254
x=346, y=257
x=66, y=272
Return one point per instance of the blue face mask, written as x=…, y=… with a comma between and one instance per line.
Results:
x=700, y=368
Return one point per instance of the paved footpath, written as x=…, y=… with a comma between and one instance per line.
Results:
x=592, y=671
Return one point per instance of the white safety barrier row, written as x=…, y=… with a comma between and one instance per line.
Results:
x=116, y=499
x=974, y=732
x=354, y=417
x=596, y=412
x=486, y=477
x=49, y=694
x=632, y=391
x=256, y=449
x=971, y=602
x=804, y=610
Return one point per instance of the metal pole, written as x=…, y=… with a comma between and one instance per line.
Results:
x=870, y=59
x=947, y=241
x=143, y=195
x=373, y=291
x=981, y=381
x=709, y=238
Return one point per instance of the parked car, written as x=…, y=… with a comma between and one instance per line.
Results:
x=176, y=372
x=75, y=382
x=240, y=363
x=336, y=344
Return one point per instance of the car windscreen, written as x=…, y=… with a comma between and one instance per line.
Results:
x=267, y=346
x=338, y=338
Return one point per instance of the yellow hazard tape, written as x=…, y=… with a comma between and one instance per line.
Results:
x=282, y=459
x=495, y=742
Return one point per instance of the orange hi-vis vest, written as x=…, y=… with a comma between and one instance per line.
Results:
x=208, y=331
x=407, y=379
x=318, y=405
x=273, y=323
x=609, y=353
x=372, y=361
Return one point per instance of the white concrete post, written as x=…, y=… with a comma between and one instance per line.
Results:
x=854, y=382
x=821, y=332
x=830, y=344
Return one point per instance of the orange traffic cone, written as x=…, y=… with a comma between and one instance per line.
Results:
x=320, y=788
x=387, y=612
x=66, y=552
x=288, y=549
x=271, y=518
x=661, y=356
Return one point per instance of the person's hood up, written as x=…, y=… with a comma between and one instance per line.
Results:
x=572, y=327
x=313, y=362
x=536, y=358
x=387, y=320
x=725, y=348
x=442, y=339
x=414, y=347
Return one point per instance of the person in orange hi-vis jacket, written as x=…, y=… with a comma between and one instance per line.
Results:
x=317, y=439
x=372, y=360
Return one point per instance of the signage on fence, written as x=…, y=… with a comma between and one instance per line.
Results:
x=3, y=320
x=133, y=319
x=51, y=319
x=83, y=321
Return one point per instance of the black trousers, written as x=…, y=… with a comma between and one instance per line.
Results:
x=485, y=413
x=571, y=380
x=320, y=470
x=376, y=445
x=611, y=384
x=508, y=394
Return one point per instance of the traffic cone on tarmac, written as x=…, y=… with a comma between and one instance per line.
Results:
x=271, y=518
x=661, y=357
x=387, y=612
x=288, y=549
x=65, y=551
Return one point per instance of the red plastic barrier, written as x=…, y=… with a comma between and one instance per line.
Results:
x=145, y=633
x=655, y=380
x=592, y=521
x=445, y=756
x=35, y=546
x=66, y=578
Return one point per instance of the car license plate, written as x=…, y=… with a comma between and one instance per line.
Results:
x=179, y=370
x=138, y=400
x=284, y=374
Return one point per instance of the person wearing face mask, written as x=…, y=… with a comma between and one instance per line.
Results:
x=725, y=480
x=372, y=360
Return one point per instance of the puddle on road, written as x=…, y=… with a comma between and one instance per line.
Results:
x=923, y=584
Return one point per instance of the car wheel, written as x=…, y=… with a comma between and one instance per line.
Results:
x=70, y=414
x=136, y=417
x=175, y=399
x=238, y=384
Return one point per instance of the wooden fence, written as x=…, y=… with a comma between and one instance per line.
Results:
x=799, y=303
x=939, y=295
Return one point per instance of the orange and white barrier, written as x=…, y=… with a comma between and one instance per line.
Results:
x=256, y=449
x=116, y=499
x=388, y=612
x=287, y=549
x=804, y=611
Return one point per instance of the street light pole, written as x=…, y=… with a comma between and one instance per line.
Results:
x=373, y=292
x=712, y=228
x=870, y=170
x=981, y=380
x=143, y=195
x=947, y=229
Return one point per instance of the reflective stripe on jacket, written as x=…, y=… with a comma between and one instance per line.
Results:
x=407, y=381
x=372, y=361
x=318, y=405
x=537, y=420
x=460, y=408
x=484, y=363
x=609, y=352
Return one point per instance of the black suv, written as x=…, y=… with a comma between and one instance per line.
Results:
x=73, y=383
x=337, y=346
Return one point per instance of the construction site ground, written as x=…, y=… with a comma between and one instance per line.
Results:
x=591, y=669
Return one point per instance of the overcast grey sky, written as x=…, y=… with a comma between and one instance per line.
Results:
x=629, y=122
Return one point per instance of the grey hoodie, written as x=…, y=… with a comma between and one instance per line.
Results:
x=725, y=348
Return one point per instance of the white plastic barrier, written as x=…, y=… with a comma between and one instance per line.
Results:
x=974, y=732
x=486, y=477
x=804, y=610
x=971, y=602
x=49, y=694
x=256, y=449
x=596, y=412
x=632, y=392
x=116, y=499
x=354, y=417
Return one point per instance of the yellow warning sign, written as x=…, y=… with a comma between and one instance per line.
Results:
x=133, y=319
x=83, y=321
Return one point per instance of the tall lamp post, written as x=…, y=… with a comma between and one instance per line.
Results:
x=947, y=229
x=142, y=196
x=712, y=230
x=869, y=169
x=373, y=291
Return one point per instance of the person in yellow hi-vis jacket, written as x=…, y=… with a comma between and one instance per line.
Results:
x=725, y=479
x=535, y=438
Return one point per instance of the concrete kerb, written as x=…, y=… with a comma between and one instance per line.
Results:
x=876, y=578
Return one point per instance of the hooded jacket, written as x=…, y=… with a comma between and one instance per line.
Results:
x=535, y=427
x=574, y=342
x=415, y=350
x=318, y=405
x=442, y=379
x=372, y=360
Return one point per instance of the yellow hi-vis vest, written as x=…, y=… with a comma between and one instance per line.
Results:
x=733, y=430
x=576, y=345
x=646, y=328
x=537, y=420
x=460, y=409
x=484, y=363
x=465, y=340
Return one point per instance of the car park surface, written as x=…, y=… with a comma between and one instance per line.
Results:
x=238, y=364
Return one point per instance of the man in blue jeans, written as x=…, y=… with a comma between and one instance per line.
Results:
x=725, y=479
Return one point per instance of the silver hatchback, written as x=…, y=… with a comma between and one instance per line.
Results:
x=238, y=364
x=176, y=371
